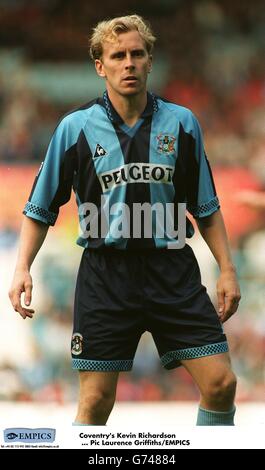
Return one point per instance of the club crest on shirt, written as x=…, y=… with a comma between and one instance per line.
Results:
x=100, y=151
x=77, y=344
x=166, y=143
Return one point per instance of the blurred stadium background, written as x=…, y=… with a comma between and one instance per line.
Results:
x=210, y=57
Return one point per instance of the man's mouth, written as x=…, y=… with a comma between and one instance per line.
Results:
x=130, y=78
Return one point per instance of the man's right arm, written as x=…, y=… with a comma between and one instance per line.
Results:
x=32, y=236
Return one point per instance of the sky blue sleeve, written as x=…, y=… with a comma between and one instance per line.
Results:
x=53, y=183
x=202, y=199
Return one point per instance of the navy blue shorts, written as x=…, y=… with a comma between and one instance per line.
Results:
x=122, y=294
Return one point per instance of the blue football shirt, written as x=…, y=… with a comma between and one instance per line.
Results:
x=159, y=161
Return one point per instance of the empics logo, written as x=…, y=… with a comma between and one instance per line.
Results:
x=29, y=435
x=11, y=435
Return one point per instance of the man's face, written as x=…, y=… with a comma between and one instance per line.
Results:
x=125, y=64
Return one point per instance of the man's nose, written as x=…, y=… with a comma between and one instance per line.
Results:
x=129, y=63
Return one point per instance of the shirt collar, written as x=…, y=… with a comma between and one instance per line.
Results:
x=151, y=107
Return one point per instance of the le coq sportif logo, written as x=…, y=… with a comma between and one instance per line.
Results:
x=29, y=435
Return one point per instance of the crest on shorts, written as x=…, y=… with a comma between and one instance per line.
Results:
x=77, y=344
x=166, y=143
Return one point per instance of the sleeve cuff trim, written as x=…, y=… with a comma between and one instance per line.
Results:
x=36, y=212
x=205, y=209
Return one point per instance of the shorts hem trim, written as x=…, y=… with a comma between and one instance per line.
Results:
x=102, y=366
x=193, y=353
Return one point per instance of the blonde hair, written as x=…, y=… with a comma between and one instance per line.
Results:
x=110, y=29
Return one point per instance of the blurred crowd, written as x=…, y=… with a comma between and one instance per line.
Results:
x=215, y=55
x=214, y=49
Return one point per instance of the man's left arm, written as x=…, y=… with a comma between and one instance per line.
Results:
x=212, y=229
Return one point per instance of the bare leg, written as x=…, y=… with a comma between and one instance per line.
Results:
x=215, y=379
x=96, y=396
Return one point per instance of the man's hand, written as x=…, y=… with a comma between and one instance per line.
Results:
x=228, y=294
x=22, y=282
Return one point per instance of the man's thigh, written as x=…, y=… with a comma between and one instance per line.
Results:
x=98, y=383
x=209, y=369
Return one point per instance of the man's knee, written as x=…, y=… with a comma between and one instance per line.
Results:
x=97, y=401
x=222, y=387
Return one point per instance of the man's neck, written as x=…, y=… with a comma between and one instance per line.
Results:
x=129, y=108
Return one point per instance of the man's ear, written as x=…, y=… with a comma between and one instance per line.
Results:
x=100, y=68
x=150, y=63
